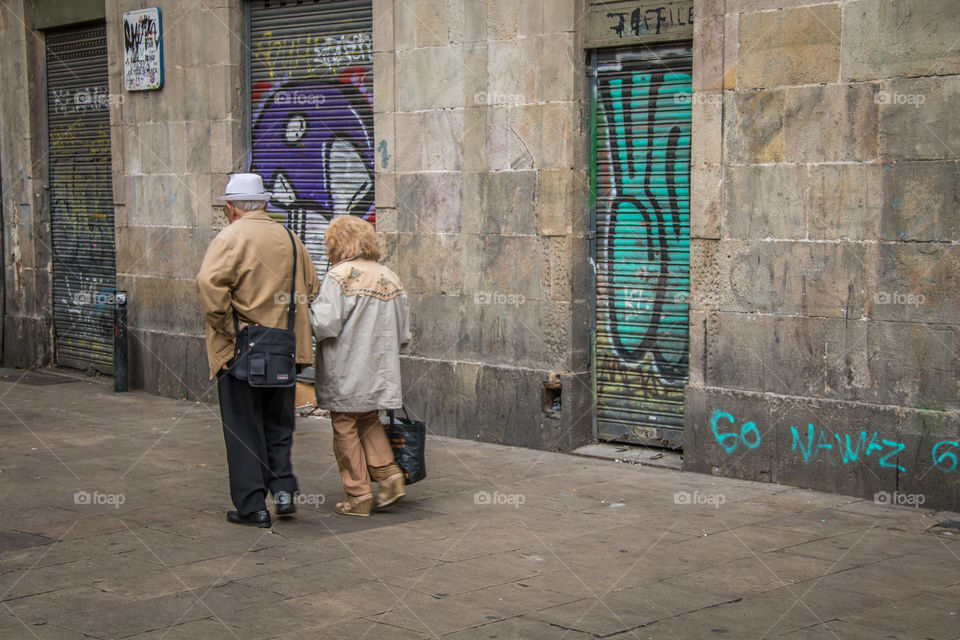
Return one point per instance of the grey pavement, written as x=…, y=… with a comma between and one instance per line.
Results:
x=113, y=527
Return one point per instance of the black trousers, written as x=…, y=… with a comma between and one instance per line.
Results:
x=258, y=425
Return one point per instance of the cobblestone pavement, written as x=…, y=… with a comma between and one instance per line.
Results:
x=114, y=527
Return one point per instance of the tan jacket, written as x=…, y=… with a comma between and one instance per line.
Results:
x=360, y=320
x=247, y=267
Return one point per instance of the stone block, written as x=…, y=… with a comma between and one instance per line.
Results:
x=561, y=145
x=920, y=201
x=161, y=252
x=766, y=201
x=27, y=342
x=817, y=118
x=885, y=38
x=914, y=365
x=514, y=267
x=706, y=144
x=706, y=201
x=475, y=22
x=513, y=77
x=827, y=445
x=917, y=283
x=451, y=264
x=556, y=202
x=429, y=202
x=225, y=141
x=404, y=26
x=525, y=137
x=432, y=22
x=710, y=411
x=697, y=336
x=790, y=47
x=416, y=257
x=408, y=150
x=475, y=79
x=383, y=26
x=474, y=147
x=197, y=141
x=498, y=138
x=386, y=195
x=845, y=201
x=442, y=133
x=803, y=278
x=384, y=133
x=731, y=50
x=754, y=124
x=918, y=118
x=791, y=350
x=708, y=46
x=430, y=78
x=560, y=65
x=384, y=70
x=561, y=16
x=930, y=457
x=474, y=200
x=170, y=305
x=749, y=6
x=511, y=203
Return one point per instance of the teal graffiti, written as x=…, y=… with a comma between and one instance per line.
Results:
x=648, y=128
x=730, y=441
x=950, y=456
x=384, y=156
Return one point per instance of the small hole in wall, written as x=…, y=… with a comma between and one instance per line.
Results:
x=551, y=400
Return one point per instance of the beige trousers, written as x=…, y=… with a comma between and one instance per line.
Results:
x=359, y=441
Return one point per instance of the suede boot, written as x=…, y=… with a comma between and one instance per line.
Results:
x=390, y=479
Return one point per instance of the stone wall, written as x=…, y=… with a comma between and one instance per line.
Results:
x=825, y=346
x=482, y=208
x=173, y=151
x=27, y=321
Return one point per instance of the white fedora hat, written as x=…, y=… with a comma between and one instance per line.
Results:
x=245, y=186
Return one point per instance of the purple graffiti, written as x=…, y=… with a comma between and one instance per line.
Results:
x=313, y=149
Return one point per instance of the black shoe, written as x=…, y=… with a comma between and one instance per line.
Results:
x=285, y=504
x=256, y=519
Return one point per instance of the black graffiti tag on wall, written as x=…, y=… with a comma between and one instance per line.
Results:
x=650, y=21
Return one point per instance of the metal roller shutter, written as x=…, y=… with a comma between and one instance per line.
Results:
x=311, y=96
x=642, y=190
x=81, y=197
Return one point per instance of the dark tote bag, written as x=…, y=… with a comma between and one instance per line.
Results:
x=408, y=438
x=265, y=356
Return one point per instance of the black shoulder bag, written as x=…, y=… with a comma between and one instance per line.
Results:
x=264, y=356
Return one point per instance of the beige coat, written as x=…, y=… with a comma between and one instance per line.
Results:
x=247, y=268
x=360, y=320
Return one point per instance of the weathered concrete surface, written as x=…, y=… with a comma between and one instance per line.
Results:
x=173, y=150
x=484, y=212
x=119, y=532
x=823, y=257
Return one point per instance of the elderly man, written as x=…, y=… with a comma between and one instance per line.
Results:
x=245, y=279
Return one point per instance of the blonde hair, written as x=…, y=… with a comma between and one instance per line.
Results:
x=350, y=237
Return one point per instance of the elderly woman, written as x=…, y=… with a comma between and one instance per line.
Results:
x=360, y=319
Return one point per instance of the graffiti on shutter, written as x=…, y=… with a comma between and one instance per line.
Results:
x=81, y=197
x=643, y=244
x=312, y=113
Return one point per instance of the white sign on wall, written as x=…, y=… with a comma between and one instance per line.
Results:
x=142, y=50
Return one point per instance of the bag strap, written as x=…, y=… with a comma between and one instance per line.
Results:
x=292, y=313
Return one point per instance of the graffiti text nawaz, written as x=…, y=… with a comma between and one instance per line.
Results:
x=812, y=444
